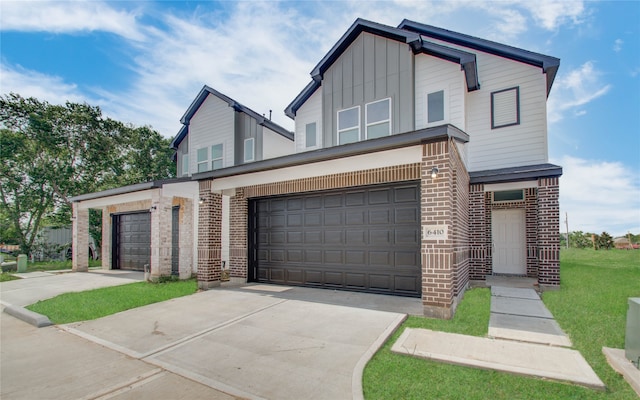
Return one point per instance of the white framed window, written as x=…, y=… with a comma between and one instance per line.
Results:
x=217, y=156
x=436, y=107
x=203, y=159
x=249, y=150
x=378, y=118
x=311, y=135
x=185, y=164
x=505, y=107
x=349, y=125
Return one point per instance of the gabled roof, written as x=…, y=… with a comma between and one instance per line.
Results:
x=202, y=96
x=466, y=60
x=548, y=64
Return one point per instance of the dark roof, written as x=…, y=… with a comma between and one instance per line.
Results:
x=548, y=64
x=438, y=133
x=202, y=96
x=522, y=173
x=466, y=60
x=128, y=189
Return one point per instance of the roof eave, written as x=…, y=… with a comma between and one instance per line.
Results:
x=515, y=174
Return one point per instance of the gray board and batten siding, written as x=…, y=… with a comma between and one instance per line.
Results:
x=247, y=127
x=371, y=68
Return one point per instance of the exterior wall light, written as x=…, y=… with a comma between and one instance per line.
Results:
x=434, y=172
x=201, y=201
x=153, y=208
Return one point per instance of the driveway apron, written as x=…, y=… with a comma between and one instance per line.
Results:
x=251, y=344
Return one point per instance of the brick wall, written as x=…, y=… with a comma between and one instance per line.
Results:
x=238, y=228
x=209, y=237
x=185, y=242
x=160, y=235
x=541, y=231
x=460, y=190
x=80, y=239
x=548, y=232
x=437, y=209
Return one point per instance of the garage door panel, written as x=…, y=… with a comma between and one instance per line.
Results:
x=132, y=248
x=358, y=239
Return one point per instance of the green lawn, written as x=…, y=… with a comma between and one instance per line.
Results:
x=590, y=307
x=97, y=303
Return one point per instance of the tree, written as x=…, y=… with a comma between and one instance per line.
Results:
x=579, y=239
x=604, y=241
x=51, y=153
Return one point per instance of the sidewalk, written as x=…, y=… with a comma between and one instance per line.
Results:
x=524, y=339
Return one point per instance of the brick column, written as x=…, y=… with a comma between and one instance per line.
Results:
x=531, y=218
x=185, y=263
x=107, y=229
x=238, y=222
x=209, y=237
x=548, y=232
x=436, y=210
x=80, y=239
x=160, y=236
x=479, y=242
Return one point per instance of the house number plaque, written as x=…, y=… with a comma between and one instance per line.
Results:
x=435, y=232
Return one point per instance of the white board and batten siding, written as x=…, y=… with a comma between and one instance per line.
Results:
x=309, y=112
x=213, y=123
x=523, y=144
x=275, y=145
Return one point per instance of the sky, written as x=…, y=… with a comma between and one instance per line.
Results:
x=143, y=62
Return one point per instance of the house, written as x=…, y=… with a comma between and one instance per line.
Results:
x=153, y=226
x=420, y=163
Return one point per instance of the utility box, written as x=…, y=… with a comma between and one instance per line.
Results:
x=22, y=262
x=632, y=338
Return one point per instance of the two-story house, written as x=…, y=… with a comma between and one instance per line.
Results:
x=153, y=226
x=420, y=164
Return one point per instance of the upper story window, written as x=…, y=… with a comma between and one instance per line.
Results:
x=436, y=107
x=185, y=164
x=349, y=125
x=505, y=108
x=203, y=159
x=216, y=156
x=310, y=135
x=378, y=118
x=249, y=149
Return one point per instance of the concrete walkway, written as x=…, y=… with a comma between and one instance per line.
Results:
x=524, y=339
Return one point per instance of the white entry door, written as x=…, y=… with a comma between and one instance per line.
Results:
x=508, y=235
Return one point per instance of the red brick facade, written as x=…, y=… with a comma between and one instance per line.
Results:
x=541, y=233
x=209, y=237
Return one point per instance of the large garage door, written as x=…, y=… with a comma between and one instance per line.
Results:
x=132, y=236
x=364, y=239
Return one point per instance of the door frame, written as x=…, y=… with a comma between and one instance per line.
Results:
x=522, y=270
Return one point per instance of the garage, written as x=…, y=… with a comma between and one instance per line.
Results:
x=132, y=241
x=361, y=239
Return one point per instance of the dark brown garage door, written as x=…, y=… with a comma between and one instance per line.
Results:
x=132, y=236
x=363, y=239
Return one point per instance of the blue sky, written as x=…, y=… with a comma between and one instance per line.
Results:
x=143, y=62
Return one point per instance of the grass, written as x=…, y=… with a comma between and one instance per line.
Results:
x=56, y=265
x=97, y=303
x=6, y=276
x=590, y=307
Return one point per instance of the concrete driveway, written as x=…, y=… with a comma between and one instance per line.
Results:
x=255, y=341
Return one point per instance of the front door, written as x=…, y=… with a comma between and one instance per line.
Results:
x=508, y=235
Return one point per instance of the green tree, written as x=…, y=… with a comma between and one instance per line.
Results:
x=579, y=239
x=51, y=153
x=604, y=241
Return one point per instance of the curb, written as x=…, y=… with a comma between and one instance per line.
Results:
x=33, y=318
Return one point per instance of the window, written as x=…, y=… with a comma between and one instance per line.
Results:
x=185, y=164
x=505, y=108
x=310, y=135
x=378, y=118
x=216, y=156
x=436, y=107
x=249, y=149
x=203, y=159
x=508, y=195
x=349, y=125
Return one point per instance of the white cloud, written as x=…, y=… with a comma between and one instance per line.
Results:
x=599, y=196
x=68, y=16
x=574, y=89
x=550, y=14
x=29, y=83
x=617, y=45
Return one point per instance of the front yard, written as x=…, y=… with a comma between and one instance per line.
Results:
x=591, y=307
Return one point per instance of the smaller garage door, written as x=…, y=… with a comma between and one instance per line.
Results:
x=132, y=236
